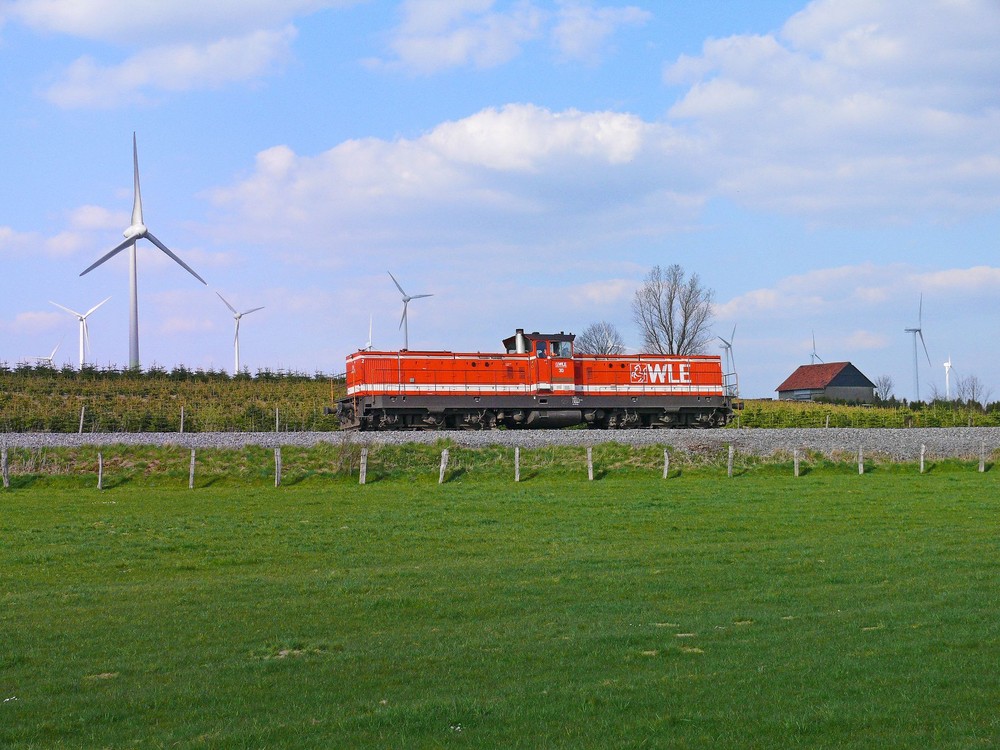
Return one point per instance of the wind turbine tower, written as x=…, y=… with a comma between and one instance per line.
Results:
x=236, y=317
x=135, y=232
x=84, y=331
x=947, y=379
x=406, y=301
x=918, y=331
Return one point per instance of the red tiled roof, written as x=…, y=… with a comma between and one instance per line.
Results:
x=812, y=377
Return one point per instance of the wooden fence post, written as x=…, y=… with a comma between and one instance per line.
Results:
x=923, y=452
x=182, y=420
x=982, y=457
x=277, y=467
x=666, y=464
x=191, y=471
x=517, y=463
x=590, y=463
x=83, y=410
x=828, y=420
x=729, y=469
x=100, y=470
x=4, y=468
x=444, y=465
x=861, y=461
x=795, y=459
x=363, y=475
x=275, y=418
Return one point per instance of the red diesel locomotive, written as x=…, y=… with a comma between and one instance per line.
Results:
x=537, y=383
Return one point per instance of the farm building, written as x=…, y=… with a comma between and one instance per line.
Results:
x=837, y=381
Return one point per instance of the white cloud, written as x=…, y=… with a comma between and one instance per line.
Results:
x=885, y=111
x=436, y=34
x=129, y=23
x=180, y=67
x=582, y=30
x=833, y=291
x=515, y=173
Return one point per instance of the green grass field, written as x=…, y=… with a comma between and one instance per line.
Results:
x=827, y=611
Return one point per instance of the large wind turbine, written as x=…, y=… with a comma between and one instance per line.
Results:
x=236, y=317
x=406, y=301
x=947, y=379
x=135, y=232
x=84, y=331
x=918, y=331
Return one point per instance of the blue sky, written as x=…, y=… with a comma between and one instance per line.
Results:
x=820, y=165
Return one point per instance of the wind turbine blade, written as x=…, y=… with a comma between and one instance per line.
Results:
x=86, y=336
x=137, y=195
x=226, y=302
x=94, y=307
x=118, y=248
x=253, y=309
x=71, y=312
x=403, y=319
x=177, y=260
x=922, y=343
x=236, y=338
x=396, y=283
x=419, y=296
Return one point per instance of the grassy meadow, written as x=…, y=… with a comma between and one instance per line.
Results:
x=832, y=610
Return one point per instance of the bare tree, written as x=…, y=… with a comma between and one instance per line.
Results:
x=600, y=338
x=883, y=387
x=673, y=312
x=972, y=390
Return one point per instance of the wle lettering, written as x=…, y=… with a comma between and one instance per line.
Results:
x=670, y=372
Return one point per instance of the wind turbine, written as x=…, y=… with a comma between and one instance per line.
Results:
x=84, y=331
x=731, y=360
x=135, y=232
x=918, y=331
x=368, y=346
x=236, y=317
x=814, y=356
x=947, y=379
x=48, y=360
x=406, y=302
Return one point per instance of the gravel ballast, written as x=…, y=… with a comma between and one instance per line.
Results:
x=896, y=444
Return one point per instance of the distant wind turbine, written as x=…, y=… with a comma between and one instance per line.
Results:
x=947, y=379
x=918, y=331
x=135, y=232
x=368, y=346
x=814, y=356
x=48, y=360
x=731, y=361
x=236, y=317
x=406, y=301
x=84, y=331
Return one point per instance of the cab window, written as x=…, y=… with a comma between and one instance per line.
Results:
x=540, y=349
x=562, y=349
